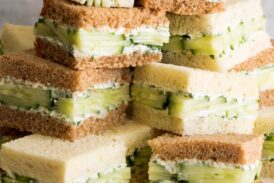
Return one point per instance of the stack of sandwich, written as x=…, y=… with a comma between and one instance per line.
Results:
x=229, y=38
x=197, y=118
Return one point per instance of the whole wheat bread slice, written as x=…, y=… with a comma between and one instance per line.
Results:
x=184, y=7
x=46, y=125
x=238, y=149
x=69, y=13
x=29, y=67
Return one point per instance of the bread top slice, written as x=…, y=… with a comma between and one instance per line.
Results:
x=184, y=7
x=179, y=78
x=134, y=135
x=69, y=13
x=53, y=160
x=28, y=67
x=231, y=148
x=17, y=38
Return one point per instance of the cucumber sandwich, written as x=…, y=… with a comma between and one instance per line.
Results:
x=107, y=3
x=44, y=97
x=217, y=41
x=89, y=37
x=16, y=38
x=37, y=158
x=205, y=159
x=87, y=160
x=268, y=156
x=191, y=101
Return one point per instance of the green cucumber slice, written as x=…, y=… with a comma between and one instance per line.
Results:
x=149, y=96
x=151, y=38
x=96, y=103
x=42, y=29
x=25, y=97
x=17, y=179
x=175, y=44
x=198, y=173
x=268, y=149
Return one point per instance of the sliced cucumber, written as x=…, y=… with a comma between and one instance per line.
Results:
x=268, y=150
x=149, y=96
x=17, y=179
x=25, y=97
x=42, y=29
x=151, y=38
x=96, y=103
x=175, y=44
x=204, y=174
x=90, y=2
x=1, y=48
x=97, y=3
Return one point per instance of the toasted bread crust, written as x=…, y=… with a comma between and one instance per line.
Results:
x=263, y=58
x=32, y=68
x=60, y=54
x=267, y=98
x=45, y=125
x=184, y=7
x=238, y=149
x=73, y=14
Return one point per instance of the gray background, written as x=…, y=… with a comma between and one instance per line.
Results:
x=27, y=11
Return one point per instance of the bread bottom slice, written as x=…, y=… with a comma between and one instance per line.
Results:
x=253, y=47
x=46, y=125
x=193, y=126
x=265, y=121
x=60, y=54
x=268, y=169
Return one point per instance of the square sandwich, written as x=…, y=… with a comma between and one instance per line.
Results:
x=90, y=37
x=190, y=101
x=217, y=41
x=208, y=159
x=44, y=97
x=90, y=153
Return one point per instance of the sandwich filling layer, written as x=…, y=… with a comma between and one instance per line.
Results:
x=265, y=76
x=104, y=41
x=1, y=48
x=71, y=107
x=117, y=175
x=218, y=45
x=107, y=3
x=184, y=105
x=205, y=171
x=268, y=148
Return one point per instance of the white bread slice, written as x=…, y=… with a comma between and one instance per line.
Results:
x=254, y=46
x=53, y=160
x=236, y=11
x=17, y=38
x=268, y=169
x=134, y=135
x=265, y=121
x=179, y=78
x=192, y=126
